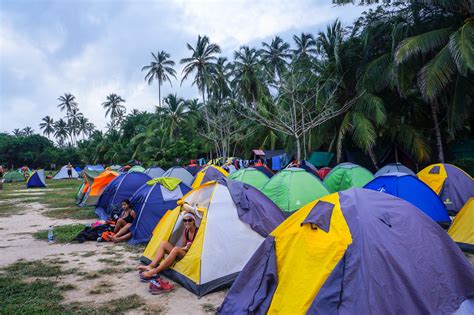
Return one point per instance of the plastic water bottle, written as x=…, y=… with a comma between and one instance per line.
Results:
x=50, y=234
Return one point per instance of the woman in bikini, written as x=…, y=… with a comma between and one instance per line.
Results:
x=122, y=227
x=190, y=230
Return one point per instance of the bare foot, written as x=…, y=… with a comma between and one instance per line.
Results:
x=148, y=274
x=144, y=268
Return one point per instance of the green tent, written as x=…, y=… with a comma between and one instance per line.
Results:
x=250, y=176
x=347, y=175
x=292, y=188
x=320, y=159
x=136, y=168
x=13, y=176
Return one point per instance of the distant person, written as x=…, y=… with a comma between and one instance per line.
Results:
x=150, y=271
x=122, y=227
x=69, y=170
x=25, y=172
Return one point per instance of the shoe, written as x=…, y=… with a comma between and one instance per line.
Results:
x=159, y=286
x=100, y=239
x=148, y=279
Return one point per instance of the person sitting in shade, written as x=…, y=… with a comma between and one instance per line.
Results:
x=123, y=224
x=190, y=230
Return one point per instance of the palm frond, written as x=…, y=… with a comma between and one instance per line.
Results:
x=461, y=46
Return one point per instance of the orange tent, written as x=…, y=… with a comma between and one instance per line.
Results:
x=97, y=187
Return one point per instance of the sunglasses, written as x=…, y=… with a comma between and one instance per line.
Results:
x=189, y=220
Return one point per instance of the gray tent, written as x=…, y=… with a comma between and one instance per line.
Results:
x=155, y=172
x=394, y=168
x=180, y=173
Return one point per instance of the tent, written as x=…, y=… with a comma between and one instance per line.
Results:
x=323, y=172
x=250, y=176
x=150, y=202
x=347, y=175
x=180, y=173
x=78, y=169
x=462, y=229
x=62, y=173
x=394, y=168
x=136, y=168
x=453, y=185
x=96, y=168
x=115, y=167
x=155, y=171
x=193, y=169
x=13, y=176
x=292, y=188
x=308, y=167
x=208, y=174
x=413, y=190
x=320, y=159
x=236, y=218
x=264, y=169
x=88, y=174
x=37, y=179
x=354, y=252
x=96, y=186
x=120, y=188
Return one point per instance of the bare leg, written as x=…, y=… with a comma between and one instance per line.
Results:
x=124, y=230
x=120, y=222
x=164, y=248
x=175, y=253
x=123, y=238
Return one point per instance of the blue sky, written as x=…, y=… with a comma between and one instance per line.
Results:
x=94, y=48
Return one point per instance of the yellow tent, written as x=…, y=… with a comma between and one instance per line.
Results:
x=207, y=174
x=462, y=229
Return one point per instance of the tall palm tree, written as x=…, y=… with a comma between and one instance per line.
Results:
x=219, y=87
x=113, y=106
x=61, y=130
x=84, y=127
x=248, y=73
x=73, y=123
x=28, y=131
x=17, y=132
x=275, y=56
x=67, y=102
x=174, y=114
x=447, y=56
x=305, y=46
x=160, y=69
x=202, y=63
x=47, y=126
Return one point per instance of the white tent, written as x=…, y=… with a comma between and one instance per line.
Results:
x=62, y=173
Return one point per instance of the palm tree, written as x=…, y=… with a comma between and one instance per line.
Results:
x=61, y=130
x=27, y=131
x=47, y=126
x=113, y=106
x=67, y=102
x=447, y=56
x=84, y=126
x=275, y=56
x=73, y=122
x=174, y=114
x=17, y=132
x=160, y=69
x=305, y=46
x=248, y=73
x=220, y=76
x=202, y=63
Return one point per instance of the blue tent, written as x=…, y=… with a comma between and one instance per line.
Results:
x=413, y=190
x=394, y=168
x=37, y=179
x=78, y=169
x=122, y=187
x=150, y=202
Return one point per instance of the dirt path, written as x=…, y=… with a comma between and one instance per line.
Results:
x=100, y=272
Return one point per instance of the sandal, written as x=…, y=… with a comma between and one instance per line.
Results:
x=148, y=279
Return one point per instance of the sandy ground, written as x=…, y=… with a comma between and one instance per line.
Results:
x=16, y=242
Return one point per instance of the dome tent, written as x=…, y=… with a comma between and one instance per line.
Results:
x=208, y=174
x=394, y=168
x=292, y=188
x=62, y=173
x=155, y=171
x=354, y=252
x=347, y=175
x=453, y=185
x=235, y=219
x=137, y=169
x=150, y=202
x=37, y=179
x=462, y=229
x=13, y=176
x=250, y=176
x=180, y=173
x=95, y=186
x=413, y=190
x=120, y=188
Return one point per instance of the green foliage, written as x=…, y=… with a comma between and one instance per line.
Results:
x=62, y=233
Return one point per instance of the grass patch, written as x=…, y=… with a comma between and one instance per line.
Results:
x=121, y=305
x=137, y=249
x=89, y=253
x=101, y=288
x=34, y=268
x=9, y=208
x=62, y=233
x=208, y=308
x=110, y=261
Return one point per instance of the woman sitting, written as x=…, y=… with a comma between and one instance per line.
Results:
x=190, y=230
x=122, y=227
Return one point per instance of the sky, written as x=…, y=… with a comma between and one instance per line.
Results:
x=94, y=48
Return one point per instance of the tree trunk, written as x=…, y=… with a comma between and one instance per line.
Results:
x=298, y=149
x=159, y=93
x=439, y=142
x=206, y=116
x=373, y=158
